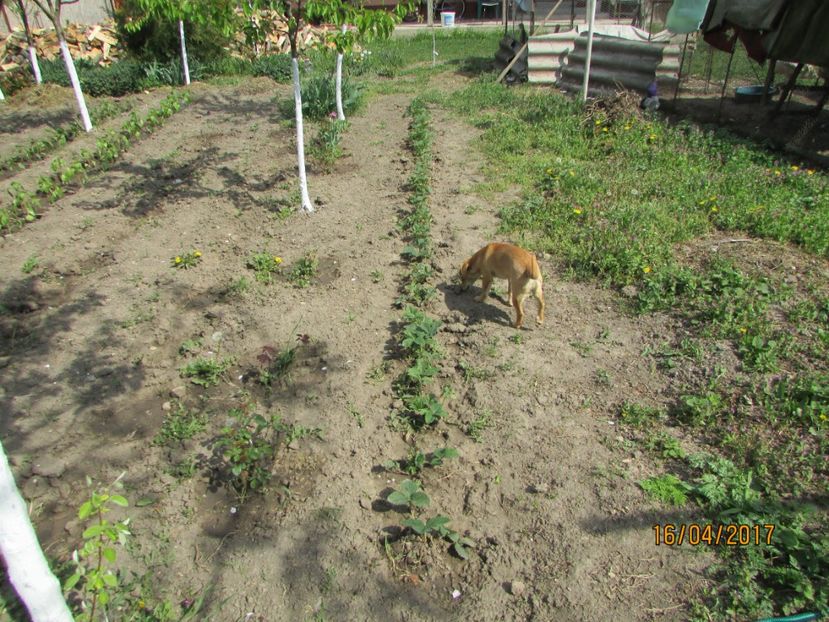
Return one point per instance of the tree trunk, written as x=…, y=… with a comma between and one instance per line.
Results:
x=27, y=568
x=339, y=83
x=185, y=67
x=300, y=138
x=32, y=54
x=76, y=84
x=1, y=95
x=35, y=65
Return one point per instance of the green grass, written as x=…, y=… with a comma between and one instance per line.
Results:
x=614, y=197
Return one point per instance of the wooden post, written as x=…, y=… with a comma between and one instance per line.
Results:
x=430, y=13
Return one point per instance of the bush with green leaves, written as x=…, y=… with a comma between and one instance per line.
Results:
x=94, y=581
x=247, y=449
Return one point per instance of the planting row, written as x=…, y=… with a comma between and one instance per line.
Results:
x=59, y=136
x=26, y=204
x=421, y=408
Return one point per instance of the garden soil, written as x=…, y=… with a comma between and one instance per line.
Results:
x=91, y=354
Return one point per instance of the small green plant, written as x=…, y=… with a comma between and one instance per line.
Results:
x=638, y=415
x=94, y=582
x=30, y=264
x=378, y=372
x=409, y=494
x=476, y=427
x=437, y=526
x=425, y=408
x=304, y=271
x=470, y=372
x=186, y=260
x=180, y=425
x=265, y=265
x=666, y=488
x=325, y=148
x=376, y=276
x=516, y=338
x=275, y=364
x=190, y=346
x=358, y=416
x=248, y=449
x=419, y=332
x=236, y=288
x=205, y=371
x=417, y=460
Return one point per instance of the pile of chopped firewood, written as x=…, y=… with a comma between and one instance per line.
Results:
x=273, y=28
x=97, y=43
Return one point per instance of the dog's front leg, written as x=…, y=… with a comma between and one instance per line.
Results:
x=487, y=283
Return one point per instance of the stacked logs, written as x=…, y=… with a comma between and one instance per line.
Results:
x=97, y=43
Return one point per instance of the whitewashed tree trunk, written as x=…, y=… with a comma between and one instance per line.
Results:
x=184, y=65
x=300, y=138
x=76, y=84
x=339, y=83
x=1, y=95
x=35, y=65
x=28, y=570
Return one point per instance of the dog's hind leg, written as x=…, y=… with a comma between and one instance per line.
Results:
x=539, y=296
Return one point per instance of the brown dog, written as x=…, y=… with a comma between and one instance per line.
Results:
x=505, y=261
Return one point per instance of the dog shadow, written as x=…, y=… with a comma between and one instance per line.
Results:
x=495, y=308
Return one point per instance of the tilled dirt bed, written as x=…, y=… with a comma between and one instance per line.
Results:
x=91, y=357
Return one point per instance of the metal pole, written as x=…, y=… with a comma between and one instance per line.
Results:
x=591, y=8
x=727, y=74
x=681, y=63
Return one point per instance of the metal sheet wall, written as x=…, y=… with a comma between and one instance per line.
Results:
x=621, y=57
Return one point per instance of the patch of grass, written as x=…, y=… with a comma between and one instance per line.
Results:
x=180, y=424
x=30, y=264
x=476, y=427
x=666, y=488
x=304, y=271
x=265, y=265
x=206, y=371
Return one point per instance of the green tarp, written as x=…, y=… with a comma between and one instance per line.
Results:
x=802, y=35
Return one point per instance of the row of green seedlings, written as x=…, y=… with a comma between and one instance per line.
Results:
x=25, y=205
x=57, y=137
x=421, y=408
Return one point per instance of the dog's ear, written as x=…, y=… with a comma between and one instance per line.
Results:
x=464, y=267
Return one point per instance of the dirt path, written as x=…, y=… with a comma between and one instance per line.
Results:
x=91, y=351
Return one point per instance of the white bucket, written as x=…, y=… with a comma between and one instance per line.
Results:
x=447, y=19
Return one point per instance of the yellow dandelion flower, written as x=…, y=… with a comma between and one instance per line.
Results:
x=627, y=127
x=604, y=129
x=795, y=168
x=178, y=259
x=653, y=136
x=197, y=254
x=715, y=209
x=572, y=174
x=743, y=330
x=777, y=173
x=598, y=122
x=809, y=171
x=823, y=417
x=646, y=269
x=577, y=211
x=277, y=260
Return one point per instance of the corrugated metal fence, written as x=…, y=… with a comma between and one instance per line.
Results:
x=622, y=56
